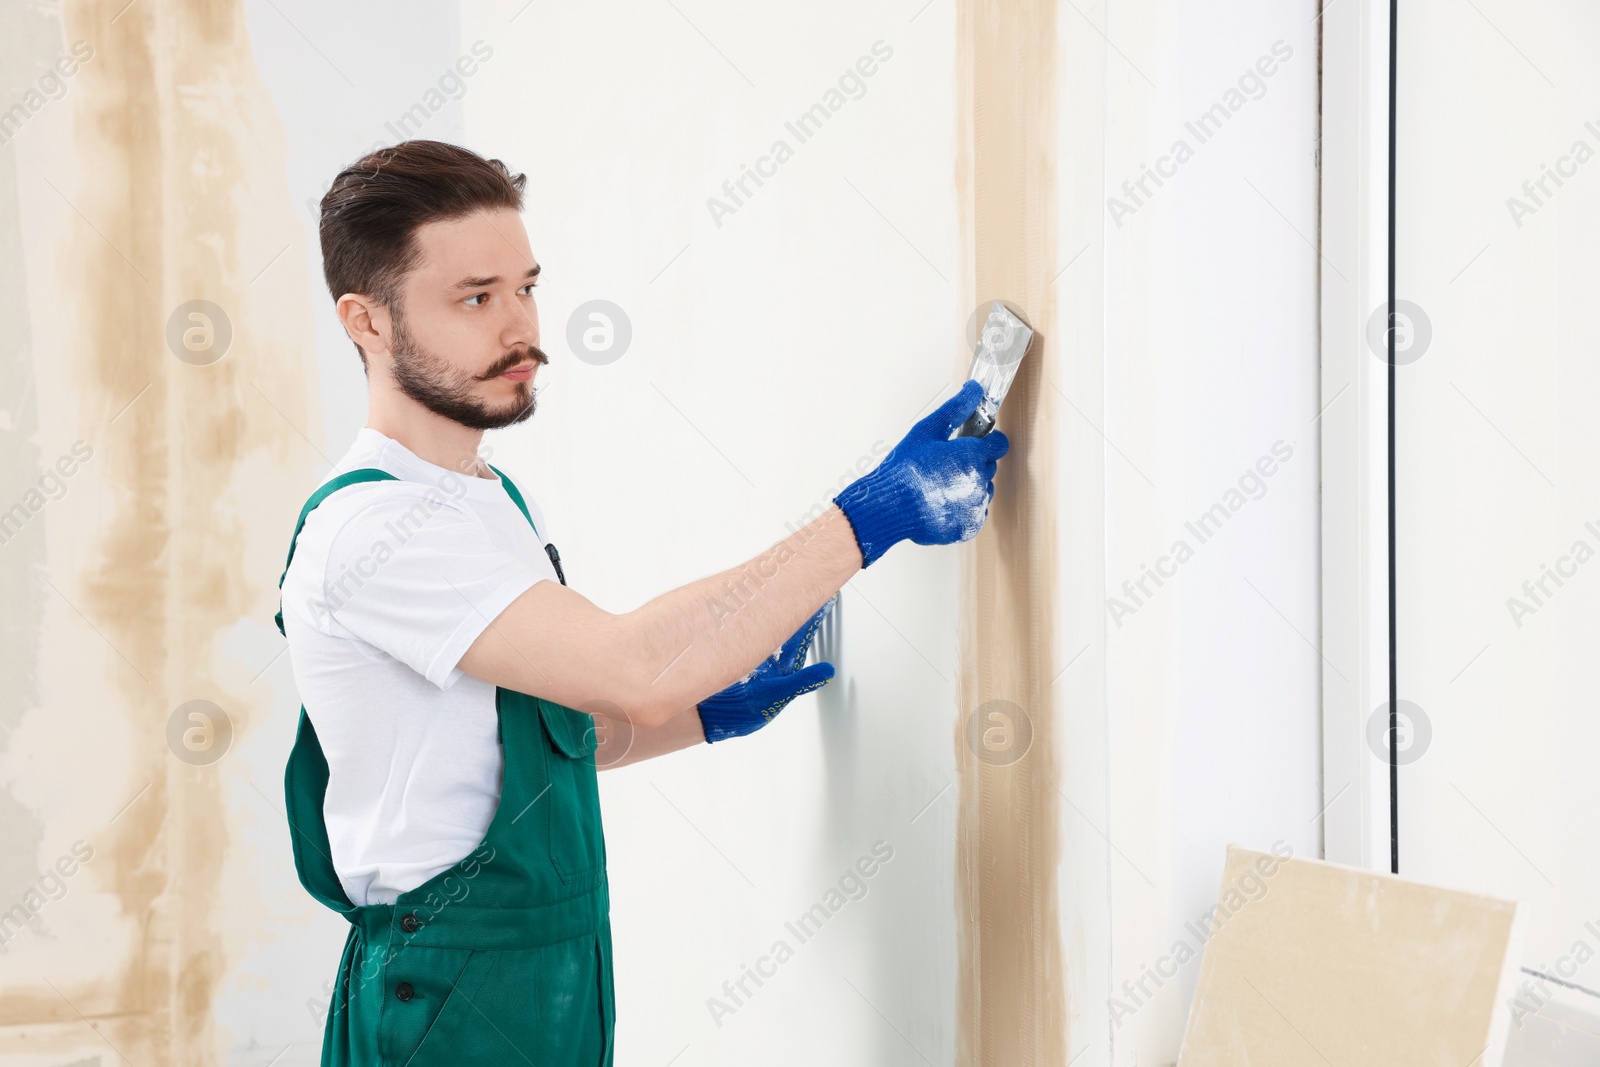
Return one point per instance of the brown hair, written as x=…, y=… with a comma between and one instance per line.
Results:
x=373, y=209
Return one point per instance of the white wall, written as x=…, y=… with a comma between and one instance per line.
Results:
x=1210, y=355
x=769, y=355
x=1494, y=463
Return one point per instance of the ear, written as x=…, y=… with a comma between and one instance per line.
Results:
x=366, y=321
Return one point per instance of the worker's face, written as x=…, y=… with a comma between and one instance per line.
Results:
x=465, y=329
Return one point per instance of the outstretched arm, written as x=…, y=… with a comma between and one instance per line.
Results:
x=693, y=642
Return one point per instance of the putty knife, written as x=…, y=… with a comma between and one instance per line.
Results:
x=1002, y=342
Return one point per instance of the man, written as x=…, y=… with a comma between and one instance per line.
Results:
x=458, y=694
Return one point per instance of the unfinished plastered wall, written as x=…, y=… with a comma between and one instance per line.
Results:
x=153, y=182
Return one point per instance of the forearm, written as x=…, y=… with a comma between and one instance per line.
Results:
x=697, y=639
x=622, y=743
x=669, y=654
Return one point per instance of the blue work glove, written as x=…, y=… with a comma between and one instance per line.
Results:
x=755, y=700
x=928, y=489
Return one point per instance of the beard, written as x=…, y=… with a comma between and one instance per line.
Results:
x=442, y=389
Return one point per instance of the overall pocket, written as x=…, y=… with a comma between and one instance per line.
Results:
x=577, y=840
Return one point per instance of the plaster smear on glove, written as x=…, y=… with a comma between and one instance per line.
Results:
x=960, y=498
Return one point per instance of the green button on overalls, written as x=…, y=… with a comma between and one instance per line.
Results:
x=505, y=958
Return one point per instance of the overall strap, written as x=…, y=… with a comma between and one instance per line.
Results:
x=327, y=489
x=516, y=498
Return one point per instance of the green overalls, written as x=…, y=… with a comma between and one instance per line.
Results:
x=505, y=958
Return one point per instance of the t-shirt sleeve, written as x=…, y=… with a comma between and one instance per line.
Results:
x=419, y=579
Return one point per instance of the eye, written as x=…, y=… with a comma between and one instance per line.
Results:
x=527, y=290
x=477, y=297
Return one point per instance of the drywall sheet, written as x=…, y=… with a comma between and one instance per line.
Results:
x=1309, y=962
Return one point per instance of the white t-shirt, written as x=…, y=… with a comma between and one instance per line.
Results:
x=390, y=583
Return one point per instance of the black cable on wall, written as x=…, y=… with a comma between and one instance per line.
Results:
x=1394, y=688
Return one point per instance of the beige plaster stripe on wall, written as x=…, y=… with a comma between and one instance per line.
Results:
x=1011, y=991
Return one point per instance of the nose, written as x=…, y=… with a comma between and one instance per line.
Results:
x=520, y=328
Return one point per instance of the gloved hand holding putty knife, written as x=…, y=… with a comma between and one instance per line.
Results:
x=934, y=488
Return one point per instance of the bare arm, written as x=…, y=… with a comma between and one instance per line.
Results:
x=622, y=743
x=670, y=653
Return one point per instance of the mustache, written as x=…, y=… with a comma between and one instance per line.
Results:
x=512, y=358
